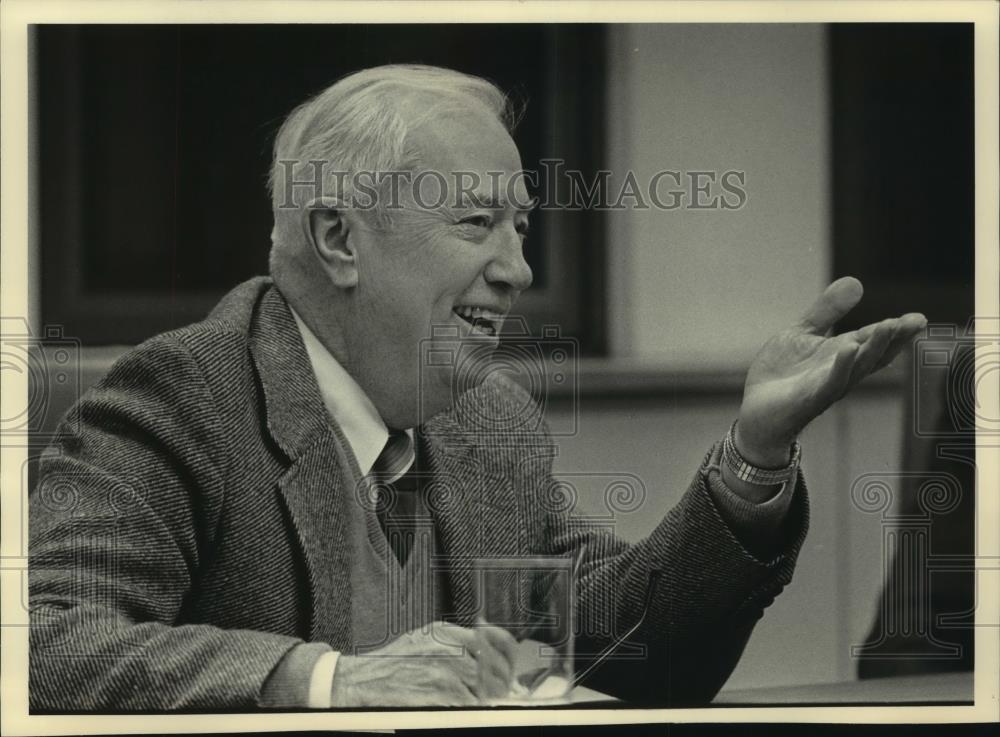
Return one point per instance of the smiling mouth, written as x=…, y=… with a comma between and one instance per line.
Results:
x=481, y=320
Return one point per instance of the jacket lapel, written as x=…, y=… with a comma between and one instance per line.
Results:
x=473, y=501
x=313, y=486
x=475, y=509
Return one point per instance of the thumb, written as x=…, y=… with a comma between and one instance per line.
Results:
x=836, y=301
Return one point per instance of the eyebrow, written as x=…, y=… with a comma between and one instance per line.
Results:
x=489, y=201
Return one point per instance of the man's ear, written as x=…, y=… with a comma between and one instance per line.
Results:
x=328, y=231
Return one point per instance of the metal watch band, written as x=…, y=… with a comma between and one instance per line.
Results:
x=746, y=471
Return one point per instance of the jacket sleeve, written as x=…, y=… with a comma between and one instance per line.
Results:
x=692, y=592
x=123, y=514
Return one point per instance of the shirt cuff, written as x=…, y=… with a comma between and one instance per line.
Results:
x=293, y=682
x=757, y=525
x=321, y=682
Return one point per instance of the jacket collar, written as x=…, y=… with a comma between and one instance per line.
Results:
x=296, y=415
x=295, y=409
x=346, y=402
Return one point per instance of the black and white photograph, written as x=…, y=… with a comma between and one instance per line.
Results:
x=423, y=367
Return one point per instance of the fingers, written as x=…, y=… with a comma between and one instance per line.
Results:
x=836, y=301
x=492, y=684
x=872, y=350
x=452, y=635
x=486, y=666
x=429, y=676
x=501, y=640
x=454, y=686
x=840, y=374
x=458, y=666
x=466, y=670
x=882, y=341
x=495, y=651
x=908, y=327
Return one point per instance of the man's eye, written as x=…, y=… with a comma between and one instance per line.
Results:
x=478, y=221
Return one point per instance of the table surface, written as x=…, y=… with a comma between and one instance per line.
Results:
x=937, y=688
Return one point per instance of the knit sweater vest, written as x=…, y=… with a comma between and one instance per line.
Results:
x=389, y=599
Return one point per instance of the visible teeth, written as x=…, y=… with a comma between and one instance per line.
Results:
x=484, y=321
x=478, y=312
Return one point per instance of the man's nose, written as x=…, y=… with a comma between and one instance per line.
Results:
x=508, y=265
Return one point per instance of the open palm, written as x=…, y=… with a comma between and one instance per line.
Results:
x=804, y=369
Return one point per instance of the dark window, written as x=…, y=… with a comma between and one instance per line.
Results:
x=903, y=167
x=155, y=144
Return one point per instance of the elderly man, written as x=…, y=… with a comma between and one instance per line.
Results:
x=205, y=532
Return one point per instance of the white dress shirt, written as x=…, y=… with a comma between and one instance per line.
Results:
x=366, y=433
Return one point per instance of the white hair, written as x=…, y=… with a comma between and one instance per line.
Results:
x=356, y=125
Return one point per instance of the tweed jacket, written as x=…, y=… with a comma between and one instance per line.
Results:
x=187, y=530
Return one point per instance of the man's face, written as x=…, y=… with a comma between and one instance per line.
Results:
x=449, y=266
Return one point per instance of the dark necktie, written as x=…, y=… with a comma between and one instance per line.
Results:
x=395, y=476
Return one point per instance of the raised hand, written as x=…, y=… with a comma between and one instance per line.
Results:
x=804, y=369
x=444, y=665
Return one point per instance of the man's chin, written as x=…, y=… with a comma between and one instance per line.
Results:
x=443, y=387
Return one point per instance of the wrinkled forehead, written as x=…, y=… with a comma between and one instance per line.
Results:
x=471, y=154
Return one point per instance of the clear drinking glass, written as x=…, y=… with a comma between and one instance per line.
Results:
x=534, y=600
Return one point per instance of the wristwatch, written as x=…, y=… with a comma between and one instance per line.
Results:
x=752, y=474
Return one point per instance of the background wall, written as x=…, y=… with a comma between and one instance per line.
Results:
x=657, y=445
x=703, y=287
x=702, y=290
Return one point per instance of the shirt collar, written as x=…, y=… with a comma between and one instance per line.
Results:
x=346, y=401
